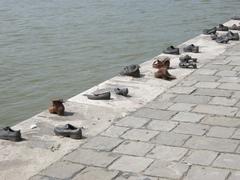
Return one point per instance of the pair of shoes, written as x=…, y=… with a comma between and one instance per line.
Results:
x=68, y=130
x=222, y=39
x=121, y=91
x=234, y=27
x=7, y=133
x=226, y=37
x=221, y=27
x=57, y=107
x=188, y=62
x=162, y=61
x=131, y=70
x=191, y=65
x=99, y=96
x=191, y=48
x=162, y=64
x=210, y=31
x=171, y=50
x=187, y=58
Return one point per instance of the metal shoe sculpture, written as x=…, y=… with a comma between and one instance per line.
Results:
x=162, y=64
x=172, y=50
x=105, y=95
x=191, y=48
x=7, y=133
x=131, y=70
x=210, y=31
x=234, y=27
x=163, y=73
x=57, y=107
x=163, y=61
x=68, y=130
x=221, y=27
x=188, y=62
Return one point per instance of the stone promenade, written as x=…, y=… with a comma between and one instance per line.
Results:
x=190, y=132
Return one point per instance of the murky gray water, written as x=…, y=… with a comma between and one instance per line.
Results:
x=58, y=48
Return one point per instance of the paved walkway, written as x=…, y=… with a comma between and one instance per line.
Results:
x=191, y=132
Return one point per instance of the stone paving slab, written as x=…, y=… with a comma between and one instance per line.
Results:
x=85, y=157
x=206, y=173
x=166, y=169
x=131, y=164
x=200, y=157
x=214, y=144
x=63, y=170
x=231, y=161
x=93, y=173
x=184, y=129
x=170, y=138
x=216, y=110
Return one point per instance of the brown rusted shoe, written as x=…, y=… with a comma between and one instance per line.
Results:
x=163, y=73
x=57, y=107
x=160, y=62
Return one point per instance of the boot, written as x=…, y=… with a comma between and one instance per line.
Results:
x=161, y=62
x=57, y=107
x=163, y=73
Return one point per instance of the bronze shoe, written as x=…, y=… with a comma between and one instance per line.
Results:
x=57, y=107
x=163, y=73
x=160, y=62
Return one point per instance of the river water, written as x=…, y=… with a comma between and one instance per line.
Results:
x=59, y=48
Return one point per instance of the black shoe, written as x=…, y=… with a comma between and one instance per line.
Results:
x=99, y=96
x=8, y=134
x=221, y=27
x=131, y=70
x=191, y=65
x=210, y=31
x=214, y=36
x=172, y=50
x=234, y=27
x=191, y=48
x=187, y=59
x=121, y=91
x=68, y=130
x=236, y=18
x=222, y=39
x=232, y=36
